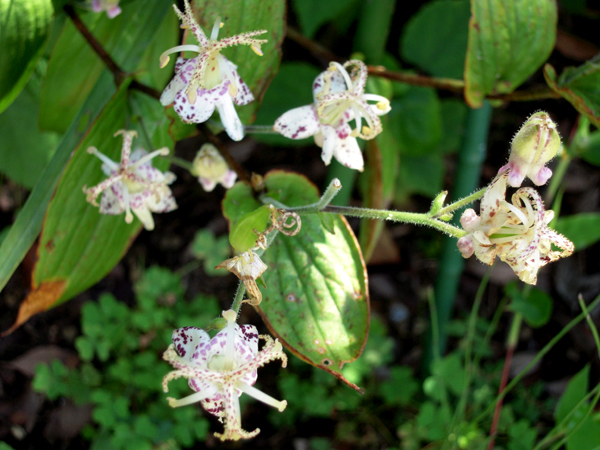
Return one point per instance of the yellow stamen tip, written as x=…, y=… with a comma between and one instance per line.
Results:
x=222, y=24
x=256, y=49
x=164, y=60
x=354, y=133
x=383, y=105
x=366, y=130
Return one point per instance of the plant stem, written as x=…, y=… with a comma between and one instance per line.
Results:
x=181, y=162
x=460, y=203
x=538, y=357
x=259, y=129
x=238, y=298
x=396, y=216
x=513, y=340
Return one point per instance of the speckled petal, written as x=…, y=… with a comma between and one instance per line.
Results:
x=188, y=340
x=338, y=84
x=298, y=123
x=244, y=95
x=348, y=153
x=183, y=72
x=112, y=200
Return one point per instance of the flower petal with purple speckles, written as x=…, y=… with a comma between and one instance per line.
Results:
x=298, y=123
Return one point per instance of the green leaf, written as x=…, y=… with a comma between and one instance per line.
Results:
x=508, y=41
x=416, y=121
x=29, y=221
x=580, y=86
x=536, y=307
x=522, y=436
x=435, y=39
x=316, y=301
x=74, y=68
x=243, y=236
x=421, y=175
x=24, y=27
x=581, y=229
x=241, y=16
x=575, y=392
x=291, y=88
x=314, y=13
x=587, y=436
x=400, y=387
x=28, y=150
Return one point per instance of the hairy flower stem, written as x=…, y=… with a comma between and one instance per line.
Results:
x=397, y=216
x=459, y=203
x=259, y=129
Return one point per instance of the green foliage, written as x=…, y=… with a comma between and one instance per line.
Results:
x=582, y=229
x=26, y=25
x=246, y=229
x=121, y=367
x=535, y=305
x=312, y=13
x=211, y=250
x=435, y=39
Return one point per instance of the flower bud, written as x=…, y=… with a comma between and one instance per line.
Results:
x=536, y=143
x=211, y=168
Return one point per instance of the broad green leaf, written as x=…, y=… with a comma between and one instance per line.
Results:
x=291, y=88
x=536, y=306
x=316, y=301
x=26, y=149
x=78, y=244
x=24, y=27
x=74, y=68
x=416, y=121
x=243, y=236
x=580, y=86
x=508, y=41
x=29, y=221
x=589, y=147
x=581, y=229
x=314, y=13
x=374, y=16
x=587, y=435
x=435, y=39
x=454, y=117
x=241, y=16
x=575, y=392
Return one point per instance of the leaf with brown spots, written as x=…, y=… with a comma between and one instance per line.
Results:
x=317, y=300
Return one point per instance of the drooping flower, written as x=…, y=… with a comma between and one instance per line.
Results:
x=339, y=99
x=247, y=267
x=517, y=233
x=208, y=80
x=110, y=6
x=133, y=185
x=536, y=143
x=220, y=369
x=211, y=168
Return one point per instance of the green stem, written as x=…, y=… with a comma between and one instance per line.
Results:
x=397, y=216
x=557, y=177
x=460, y=203
x=537, y=358
x=259, y=129
x=181, y=162
x=238, y=298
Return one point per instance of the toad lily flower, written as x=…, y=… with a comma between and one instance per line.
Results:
x=208, y=80
x=247, y=267
x=339, y=98
x=517, y=233
x=133, y=185
x=220, y=369
x=110, y=6
x=211, y=168
x=536, y=143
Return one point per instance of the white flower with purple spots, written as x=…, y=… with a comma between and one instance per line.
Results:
x=208, y=80
x=339, y=99
x=517, y=233
x=133, y=185
x=220, y=369
x=110, y=6
x=211, y=168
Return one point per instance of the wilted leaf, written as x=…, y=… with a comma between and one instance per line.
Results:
x=25, y=25
x=316, y=301
x=508, y=41
x=580, y=86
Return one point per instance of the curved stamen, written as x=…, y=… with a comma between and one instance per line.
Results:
x=261, y=396
x=344, y=74
x=215, y=30
x=194, y=398
x=128, y=215
x=517, y=213
x=160, y=152
x=164, y=57
x=105, y=159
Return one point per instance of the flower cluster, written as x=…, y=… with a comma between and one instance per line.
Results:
x=209, y=80
x=133, y=185
x=220, y=369
x=517, y=233
x=339, y=99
